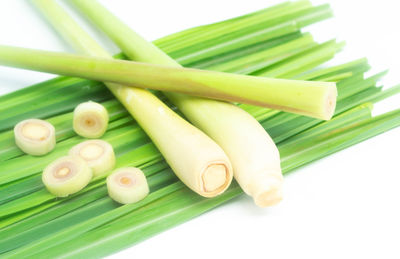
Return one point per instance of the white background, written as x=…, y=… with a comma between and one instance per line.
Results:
x=343, y=206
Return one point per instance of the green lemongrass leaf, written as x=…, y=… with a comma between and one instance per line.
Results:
x=337, y=139
x=320, y=13
x=225, y=62
x=249, y=39
x=166, y=204
x=93, y=209
x=20, y=188
x=357, y=99
x=308, y=15
x=89, y=90
x=203, y=30
x=155, y=218
x=357, y=66
x=300, y=17
x=346, y=89
x=235, y=30
x=324, y=51
x=355, y=114
x=254, y=61
x=385, y=94
x=20, y=96
x=338, y=77
x=94, y=222
x=55, y=211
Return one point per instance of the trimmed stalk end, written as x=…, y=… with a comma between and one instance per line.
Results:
x=66, y=175
x=35, y=137
x=329, y=102
x=215, y=179
x=98, y=154
x=90, y=120
x=127, y=185
x=267, y=190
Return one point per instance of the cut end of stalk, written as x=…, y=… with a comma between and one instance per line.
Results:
x=90, y=120
x=91, y=151
x=98, y=154
x=63, y=172
x=127, y=185
x=35, y=131
x=330, y=102
x=267, y=191
x=66, y=175
x=35, y=137
x=215, y=179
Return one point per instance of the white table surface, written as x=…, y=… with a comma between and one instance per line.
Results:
x=343, y=206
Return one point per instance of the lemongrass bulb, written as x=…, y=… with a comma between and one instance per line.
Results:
x=260, y=175
x=66, y=175
x=35, y=137
x=98, y=154
x=127, y=185
x=90, y=120
x=253, y=154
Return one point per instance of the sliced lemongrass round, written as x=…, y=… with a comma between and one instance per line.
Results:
x=127, y=185
x=90, y=120
x=66, y=175
x=98, y=154
x=35, y=137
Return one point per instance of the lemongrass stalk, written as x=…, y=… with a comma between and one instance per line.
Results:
x=7, y=209
x=250, y=154
x=310, y=98
x=197, y=160
x=127, y=137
